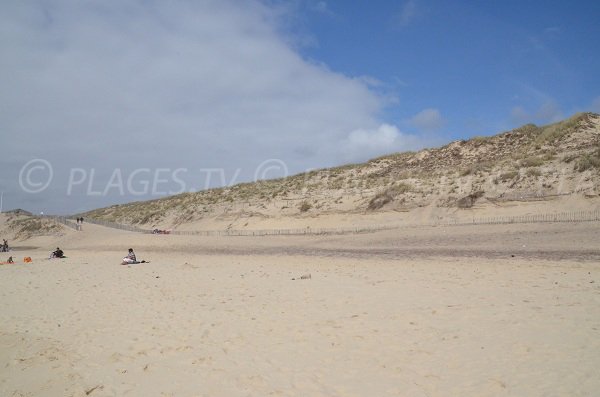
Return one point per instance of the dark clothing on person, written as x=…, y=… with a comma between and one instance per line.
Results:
x=131, y=255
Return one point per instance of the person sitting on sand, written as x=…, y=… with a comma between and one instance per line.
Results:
x=58, y=253
x=130, y=259
x=10, y=260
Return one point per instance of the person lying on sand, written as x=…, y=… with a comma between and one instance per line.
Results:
x=130, y=259
x=58, y=253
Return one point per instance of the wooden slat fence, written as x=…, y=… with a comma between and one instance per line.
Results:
x=570, y=216
x=62, y=220
x=115, y=225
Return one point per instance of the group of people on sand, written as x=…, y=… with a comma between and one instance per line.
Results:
x=130, y=259
x=58, y=253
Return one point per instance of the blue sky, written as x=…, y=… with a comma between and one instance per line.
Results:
x=485, y=66
x=111, y=102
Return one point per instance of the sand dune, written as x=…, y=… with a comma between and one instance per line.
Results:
x=454, y=311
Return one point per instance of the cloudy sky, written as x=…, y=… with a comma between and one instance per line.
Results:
x=109, y=102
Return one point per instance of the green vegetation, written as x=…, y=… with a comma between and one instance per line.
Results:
x=588, y=161
x=532, y=161
x=549, y=155
x=30, y=226
x=380, y=200
x=478, y=168
x=388, y=195
x=466, y=171
x=508, y=176
x=469, y=200
x=554, y=132
x=304, y=206
x=400, y=188
x=569, y=157
x=534, y=172
x=479, y=140
x=394, y=157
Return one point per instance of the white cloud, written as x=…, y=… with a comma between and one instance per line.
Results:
x=548, y=112
x=322, y=7
x=361, y=144
x=407, y=13
x=543, y=108
x=519, y=115
x=428, y=120
x=152, y=84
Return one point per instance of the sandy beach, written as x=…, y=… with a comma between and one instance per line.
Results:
x=324, y=199
x=447, y=311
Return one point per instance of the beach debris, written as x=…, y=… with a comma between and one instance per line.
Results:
x=90, y=391
x=306, y=276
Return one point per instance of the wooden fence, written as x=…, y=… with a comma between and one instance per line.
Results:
x=282, y=232
x=572, y=216
x=115, y=225
x=62, y=220
x=526, y=196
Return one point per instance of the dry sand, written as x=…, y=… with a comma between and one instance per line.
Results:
x=509, y=310
x=271, y=216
